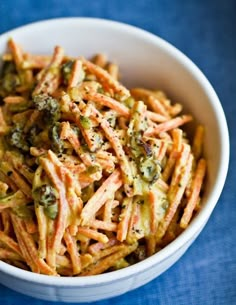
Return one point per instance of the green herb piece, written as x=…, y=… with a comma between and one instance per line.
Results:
x=9, y=82
x=87, y=192
x=129, y=102
x=57, y=144
x=66, y=71
x=51, y=211
x=17, y=138
x=46, y=196
x=49, y=106
x=93, y=169
x=85, y=122
x=150, y=169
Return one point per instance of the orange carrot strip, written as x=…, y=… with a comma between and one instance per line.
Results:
x=28, y=259
x=103, y=225
x=35, y=61
x=42, y=227
x=150, y=244
x=156, y=106
x=114, y=140
x=198, y=142
x=177, y=135
x=173, y=123
x=108, y=102
x=22, y=168
x=135, y=230
x=61, y=220
x=193, y=199
x=100, y=60
x=175, y=195
x=93, y=234
x=73, y=251
x=162, y=150
x=88, y=133
x=7, y=254
x=181, y=162
x=76, y=74
x=108, y=251
x=14, y=99
x=150, y=98
x=105, y=191
x=31, y=226
x=21, y=183
x=107, y=262
x=109, y=205
x=94, y=248
x=156, y=117
x=31, y=121
x=30, y=246
x=16, y=52
x=105, y=78
x=3, y=124
x=68, y=133
x=50, y=79
x=8, y=241
x=113, y=70
x=66, y=174
x=177, y=144
x=6, y=222
x=125, y=216
x=50, y=251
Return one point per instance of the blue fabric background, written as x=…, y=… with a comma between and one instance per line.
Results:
x=205, y=30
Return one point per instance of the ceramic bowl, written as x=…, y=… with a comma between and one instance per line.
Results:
x=148, y=61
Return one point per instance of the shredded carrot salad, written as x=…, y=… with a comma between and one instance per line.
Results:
x=93, y=177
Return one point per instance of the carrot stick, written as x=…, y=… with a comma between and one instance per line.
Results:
x=198, y=142
x=30, y=246
x=113, y=70
x=93, y=234
x=76, y=74
x=42, y=225
x=109, y=205
x=173, y=123
x=108, y=102
x=106, y=190
x=103, y=225
x=193, y=199
x=3, y=124
x=16, y=53
x=73, y=251
x=35, y=61
x=7, y=254
x=14, y=99
x=105, y=78
x=9, y=242
x=175, y=194
x=50, y=80
x=125, y=216
x=94, y=248
x=107, y=262
x=114, y=140
x=61, y=220
x=68, y=133
x=100, y=60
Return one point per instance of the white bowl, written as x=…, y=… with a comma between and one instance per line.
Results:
x=145, y=60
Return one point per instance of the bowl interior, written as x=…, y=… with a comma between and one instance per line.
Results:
x=146, y=61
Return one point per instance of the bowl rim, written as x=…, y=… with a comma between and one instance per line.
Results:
x=198, y=222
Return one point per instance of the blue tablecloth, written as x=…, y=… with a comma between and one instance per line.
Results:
x=206, y=32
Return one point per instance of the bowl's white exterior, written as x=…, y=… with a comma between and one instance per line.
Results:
x=145, y=60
